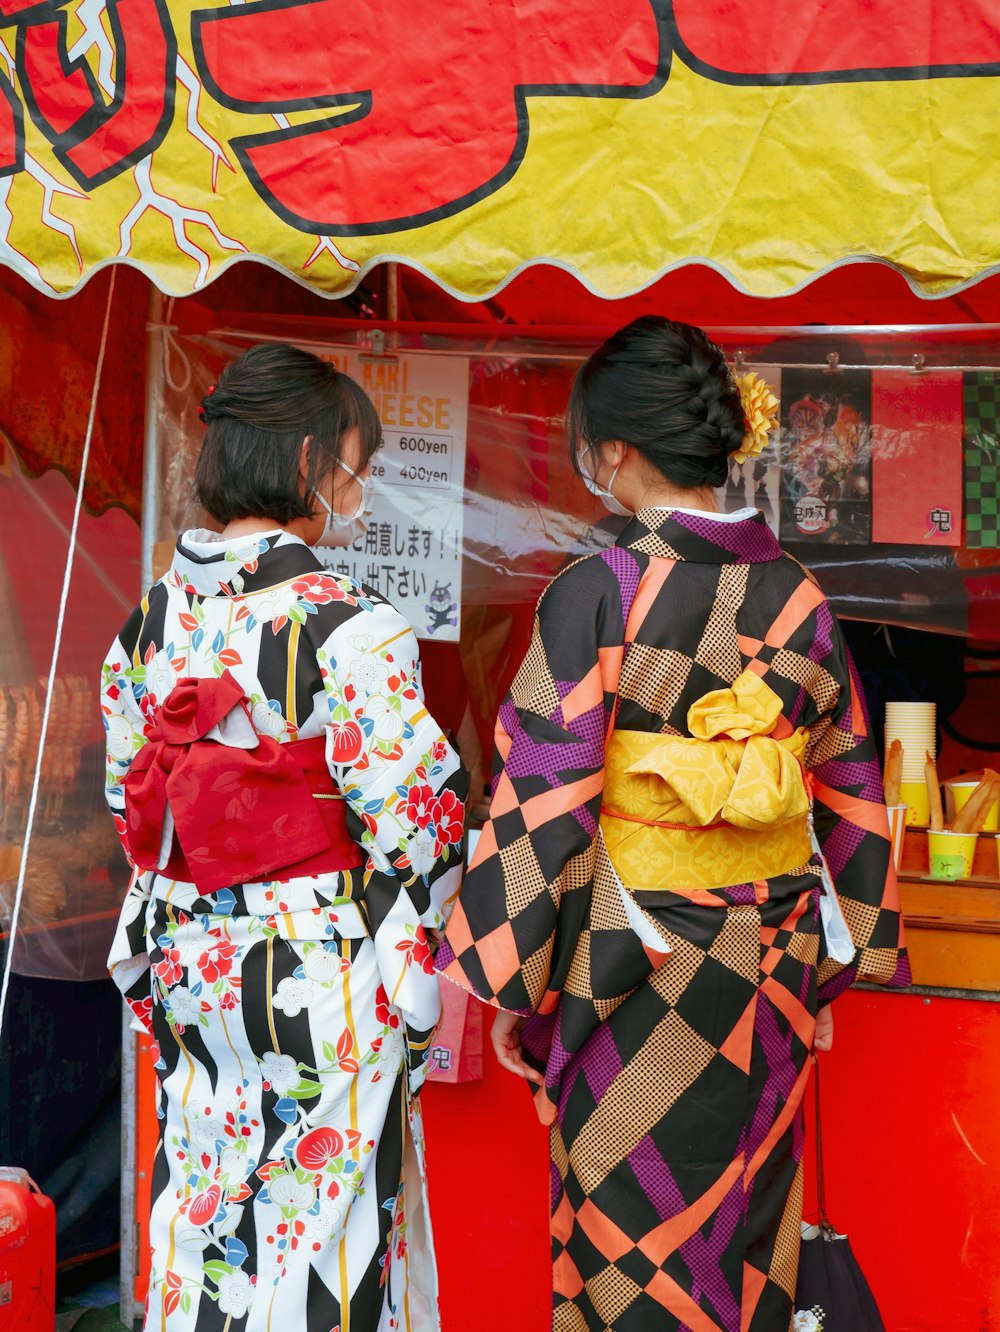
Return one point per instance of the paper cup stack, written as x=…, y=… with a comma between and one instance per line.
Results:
x=914, y=725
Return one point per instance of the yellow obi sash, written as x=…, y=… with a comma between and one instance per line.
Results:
x=729, y=805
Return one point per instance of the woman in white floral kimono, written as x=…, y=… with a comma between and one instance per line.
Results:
x=295, y=817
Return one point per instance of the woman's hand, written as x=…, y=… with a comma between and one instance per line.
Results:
x=506, y=1038
x=823, y=1040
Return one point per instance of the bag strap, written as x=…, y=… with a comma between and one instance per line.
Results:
x=824, y=1220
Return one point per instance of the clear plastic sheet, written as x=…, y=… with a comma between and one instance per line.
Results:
x=76, y=871
x=526, y=512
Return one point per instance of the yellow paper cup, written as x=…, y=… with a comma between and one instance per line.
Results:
x=960, y=792
x=897, y=827
x=951, y=854
x=914, y=795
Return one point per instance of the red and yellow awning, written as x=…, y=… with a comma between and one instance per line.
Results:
x=618, y=139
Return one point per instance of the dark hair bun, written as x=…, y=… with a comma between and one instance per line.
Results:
x=664, y=388
x=257, y=418
x=206, y=412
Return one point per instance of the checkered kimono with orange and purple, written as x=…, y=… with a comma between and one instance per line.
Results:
x=674, y=1028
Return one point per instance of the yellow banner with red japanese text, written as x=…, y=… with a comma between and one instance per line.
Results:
x=772, y=139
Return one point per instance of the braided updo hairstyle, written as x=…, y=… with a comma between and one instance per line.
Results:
x=664, y=388
x=256, y=418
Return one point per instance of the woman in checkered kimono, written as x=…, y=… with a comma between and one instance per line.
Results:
x=644, y=904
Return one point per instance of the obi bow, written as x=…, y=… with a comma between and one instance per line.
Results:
x=733, y=770
x=233, y=802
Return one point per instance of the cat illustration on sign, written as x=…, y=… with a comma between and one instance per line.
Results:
x=441, y=608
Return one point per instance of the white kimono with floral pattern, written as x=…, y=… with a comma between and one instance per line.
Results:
x=291, y=1019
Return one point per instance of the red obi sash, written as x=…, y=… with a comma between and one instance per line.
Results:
x=239, y=815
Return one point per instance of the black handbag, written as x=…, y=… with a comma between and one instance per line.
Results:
x=831, y=1294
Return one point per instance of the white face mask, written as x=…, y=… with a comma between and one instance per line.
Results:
x=605, y=496
x=343, y=528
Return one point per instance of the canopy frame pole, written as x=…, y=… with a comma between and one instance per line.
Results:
x=392, y=299
x=129, y=1258
x=156, y=335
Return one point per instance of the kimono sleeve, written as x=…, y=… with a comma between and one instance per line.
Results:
x=405, y=788
x=853, y=830
x=124, y=724
x=526, y=896
x=124, y=730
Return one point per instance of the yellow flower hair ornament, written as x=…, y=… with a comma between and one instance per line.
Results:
x=760, y=412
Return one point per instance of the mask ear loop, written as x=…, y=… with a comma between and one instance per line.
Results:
x=361, y=498
x=325, y=503
x=584, y=455
x=355, y=476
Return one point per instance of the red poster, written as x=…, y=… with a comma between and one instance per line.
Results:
x=917, y=457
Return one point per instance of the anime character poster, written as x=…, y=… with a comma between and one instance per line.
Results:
x=756, y=484
x=826, y=456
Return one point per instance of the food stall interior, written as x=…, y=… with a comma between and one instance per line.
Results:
x=885, y=483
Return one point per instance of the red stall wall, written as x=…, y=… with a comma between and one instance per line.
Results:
x=910, y=1098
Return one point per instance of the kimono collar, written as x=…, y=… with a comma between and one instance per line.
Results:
x=701, y=538
x=210, y=567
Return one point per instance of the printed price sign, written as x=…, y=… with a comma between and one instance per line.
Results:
x=411, y=551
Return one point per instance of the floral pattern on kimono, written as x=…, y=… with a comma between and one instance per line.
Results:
x=291, y=1018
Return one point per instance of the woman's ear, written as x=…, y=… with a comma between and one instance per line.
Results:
x=613, y=452
x=305, y=453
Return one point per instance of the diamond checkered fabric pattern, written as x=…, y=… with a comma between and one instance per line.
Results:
x=673, y=1027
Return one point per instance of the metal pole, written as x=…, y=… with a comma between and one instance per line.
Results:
x=151, y=470
x=131, y=1308
x=129, y=1260
x=392, y=292
x=392, y=298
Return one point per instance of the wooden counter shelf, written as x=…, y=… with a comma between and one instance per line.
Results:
x=952, y=926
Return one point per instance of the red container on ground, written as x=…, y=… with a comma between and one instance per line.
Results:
x=27, y=1254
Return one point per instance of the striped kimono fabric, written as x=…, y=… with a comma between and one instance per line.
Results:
x=291, y=1163
x=291, y=1016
